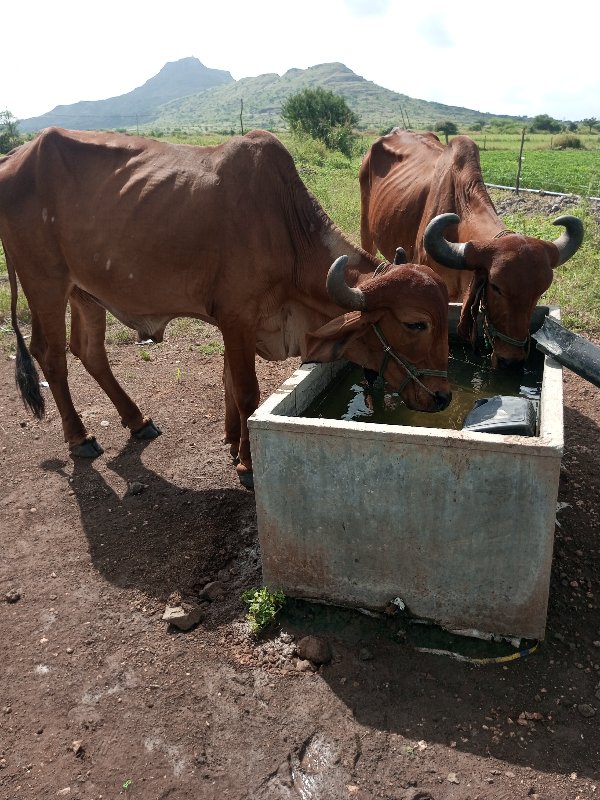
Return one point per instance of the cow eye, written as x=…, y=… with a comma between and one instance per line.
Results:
x=416, y=326
x=495, y=288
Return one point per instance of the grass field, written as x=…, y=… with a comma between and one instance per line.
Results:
x=333, y=179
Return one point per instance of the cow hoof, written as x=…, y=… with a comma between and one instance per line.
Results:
x=147, y=431
x=247, y=480
x=87, y=449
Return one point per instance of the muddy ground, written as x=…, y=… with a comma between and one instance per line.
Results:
x=100, y=698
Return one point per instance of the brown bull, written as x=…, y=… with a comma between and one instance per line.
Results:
x=431, y=199
x=228, y=234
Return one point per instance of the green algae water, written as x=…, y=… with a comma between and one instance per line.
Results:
x=471, y=378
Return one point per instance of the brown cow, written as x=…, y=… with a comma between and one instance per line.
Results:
x=415, y=191
x=227, y=234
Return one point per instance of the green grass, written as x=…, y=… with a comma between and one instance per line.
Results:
x=576, y=287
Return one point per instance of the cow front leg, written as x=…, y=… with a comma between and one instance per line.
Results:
x=240, y=346
x=88, y=330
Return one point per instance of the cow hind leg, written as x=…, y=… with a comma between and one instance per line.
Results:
x=233, y=429
x=88, y=329
x=48, y=346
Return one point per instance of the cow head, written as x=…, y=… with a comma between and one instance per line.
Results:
x=510, y=274
x=396, y=325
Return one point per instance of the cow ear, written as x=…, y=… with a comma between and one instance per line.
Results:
x=331, y=341
x=467, y=326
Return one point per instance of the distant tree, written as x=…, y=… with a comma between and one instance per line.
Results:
x=9, y=132
x=543, y=122
x=592, y=123
x=448, y=128
x=324, y=116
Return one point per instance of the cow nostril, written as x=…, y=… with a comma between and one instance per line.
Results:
x=442, y=400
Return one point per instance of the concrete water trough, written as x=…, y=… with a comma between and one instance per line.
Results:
x=458, y=525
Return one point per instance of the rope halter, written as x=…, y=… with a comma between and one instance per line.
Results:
x=413, y=373
x=491, y=332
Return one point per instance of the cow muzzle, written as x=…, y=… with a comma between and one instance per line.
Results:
x=434, y=400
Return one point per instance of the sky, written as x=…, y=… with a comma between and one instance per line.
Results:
x=519, y=58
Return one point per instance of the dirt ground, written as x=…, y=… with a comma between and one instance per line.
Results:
x=100, y=698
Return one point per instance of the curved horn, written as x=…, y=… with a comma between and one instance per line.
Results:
x=448, y=254
x=570, y=241
x=339, y=291
x=400, y=256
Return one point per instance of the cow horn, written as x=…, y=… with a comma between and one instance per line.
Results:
x=400, y=256
x=339, y=291
x=570, y=241
x=448, y=254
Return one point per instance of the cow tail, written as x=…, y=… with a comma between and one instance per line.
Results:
x=26, y=374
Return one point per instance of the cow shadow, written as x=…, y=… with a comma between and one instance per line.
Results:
x=155, y=536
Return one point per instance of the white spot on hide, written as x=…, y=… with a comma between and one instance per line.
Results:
x=107, y=264
x=44, y=215
x=131, y=276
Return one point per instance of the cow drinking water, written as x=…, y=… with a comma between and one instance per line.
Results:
x=228, y=234
x=431, y=199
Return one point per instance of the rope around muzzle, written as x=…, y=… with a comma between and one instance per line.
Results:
x=413, y=372
x=491, y=332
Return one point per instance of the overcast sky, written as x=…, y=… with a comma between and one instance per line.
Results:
x=522, y=57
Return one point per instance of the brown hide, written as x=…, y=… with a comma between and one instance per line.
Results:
x=406, y=180
x=228, y=234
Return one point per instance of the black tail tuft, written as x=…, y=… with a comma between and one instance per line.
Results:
x=27, y=379
x=26, y=375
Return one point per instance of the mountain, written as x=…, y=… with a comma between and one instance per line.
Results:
x=177, y=79
x=186, y=94
x=377, y=108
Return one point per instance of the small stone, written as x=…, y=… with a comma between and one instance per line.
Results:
x=2, y=763
x=64, y=792
x=104, y=423
x=365, y=654
x=135, y=487
x=77, y=747
x=69, y=650
x=303, y=665
x=314, y=649
x=213, y=591
x=182, y=618
x=452, y=777
x=12, y=596
x=586, y=710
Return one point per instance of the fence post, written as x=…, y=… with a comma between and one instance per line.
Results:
x=520, y=160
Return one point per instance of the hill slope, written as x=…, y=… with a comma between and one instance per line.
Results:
x=186, y=94
x=263, y=96
x=140, y=106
